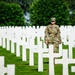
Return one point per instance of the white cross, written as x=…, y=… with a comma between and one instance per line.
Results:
x=10, y=69
x=71, y=45
x=48, y=53
x=73, y=69
x=65, y=61
x=51, y=58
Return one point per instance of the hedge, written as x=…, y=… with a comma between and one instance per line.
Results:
x=42, y=10
x=11, y=14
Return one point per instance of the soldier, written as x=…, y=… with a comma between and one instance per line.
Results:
x=52, y=35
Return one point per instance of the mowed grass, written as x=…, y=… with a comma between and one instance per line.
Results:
x=23, y=68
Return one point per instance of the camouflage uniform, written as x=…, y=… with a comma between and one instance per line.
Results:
x=52, y=36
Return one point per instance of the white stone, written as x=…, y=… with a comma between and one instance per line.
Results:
x=65, y=61
x=10, y=69
x=73, y=69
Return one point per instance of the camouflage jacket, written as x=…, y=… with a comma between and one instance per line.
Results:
x=52, y=34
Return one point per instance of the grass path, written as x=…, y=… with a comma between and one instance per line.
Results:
x=23, y=68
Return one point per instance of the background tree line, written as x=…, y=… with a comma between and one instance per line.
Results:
x=11, y=14
x=29, y=6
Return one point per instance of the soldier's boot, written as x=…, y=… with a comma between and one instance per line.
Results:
x=56, y=50
x=56, y=46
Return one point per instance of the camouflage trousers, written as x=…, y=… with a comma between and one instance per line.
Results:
x=55, y=46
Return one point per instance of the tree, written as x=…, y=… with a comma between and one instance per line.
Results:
x=10, y=1
x=42, y=10
x=11, y=15
x=71, y=4
x=25, y=4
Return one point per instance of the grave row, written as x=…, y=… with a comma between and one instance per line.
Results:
x=9, y=70
x=25, y=37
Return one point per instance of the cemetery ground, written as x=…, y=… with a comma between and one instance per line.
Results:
x=23, y=68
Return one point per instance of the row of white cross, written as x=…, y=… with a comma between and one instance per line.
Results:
x=10, y=69
x=25, y=36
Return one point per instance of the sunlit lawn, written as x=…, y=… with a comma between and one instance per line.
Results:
x=23, y=68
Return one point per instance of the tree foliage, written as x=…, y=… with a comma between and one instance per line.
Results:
x=10, y=1
x=42, y=10
x=23, y=3
x=11, y=15
x=71, y=4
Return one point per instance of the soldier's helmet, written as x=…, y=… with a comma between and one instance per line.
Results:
x=53, y=19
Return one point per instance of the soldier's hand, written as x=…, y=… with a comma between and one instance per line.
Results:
x=46, y=42
x=60, y=42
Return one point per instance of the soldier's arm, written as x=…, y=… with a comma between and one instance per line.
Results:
x=59, y=36
x=46, y=34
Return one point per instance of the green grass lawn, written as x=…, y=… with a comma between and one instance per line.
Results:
x=23, y=68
